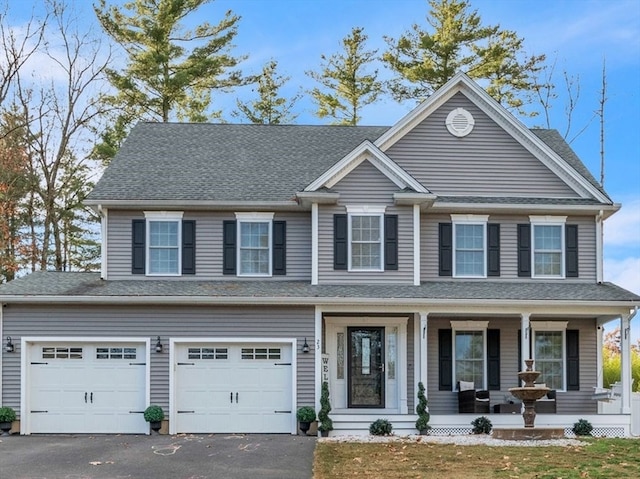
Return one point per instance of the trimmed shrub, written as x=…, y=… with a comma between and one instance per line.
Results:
x=326, y=424
x=153, y=414
x=482, y=425
x=422, y=424
x=582, y=428
x=381, y=427
x=306, y=414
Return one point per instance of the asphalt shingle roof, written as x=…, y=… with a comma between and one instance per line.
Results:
x=222, y=162
x=83, y=285
x=238, y=163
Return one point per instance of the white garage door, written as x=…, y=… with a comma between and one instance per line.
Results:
x=87, y=388
x=228, y=388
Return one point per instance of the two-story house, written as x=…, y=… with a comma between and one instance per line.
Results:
x=245, y=264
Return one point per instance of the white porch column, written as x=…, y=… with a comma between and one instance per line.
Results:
x=625, y=360
x=525, y=340
x=314, y=244
x=599, y=358
x=317, y=351
x=423, y=348
x=416, y=246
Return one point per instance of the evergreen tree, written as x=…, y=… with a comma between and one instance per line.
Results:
x=170, y=71
x=347, y=88
x=269, y=108
x=424, y=61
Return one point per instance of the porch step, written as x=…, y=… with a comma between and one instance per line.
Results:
x=358, y=424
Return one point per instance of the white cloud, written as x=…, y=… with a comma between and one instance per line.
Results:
x=624, y=273
x=623, y=228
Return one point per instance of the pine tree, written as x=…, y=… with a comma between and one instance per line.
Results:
x=170, y=71
x=269, y=108
x=347, y=87
x=424, y=61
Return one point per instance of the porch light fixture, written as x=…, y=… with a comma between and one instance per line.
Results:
x=305, y=346
x=158, y=345
x=9, y=347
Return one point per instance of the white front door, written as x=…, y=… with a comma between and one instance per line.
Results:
x=86, y=387
x=367, y=363
x=233, y=388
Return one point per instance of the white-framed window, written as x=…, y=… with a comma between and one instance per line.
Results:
x=470, y=245
x=470, y=352
x=549, y=352
x=366, y=233
x=254, y=245
x=164, y=239
x=547, y=240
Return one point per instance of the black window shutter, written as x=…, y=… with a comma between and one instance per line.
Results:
x=390, y=242
x=138, y=246
x=571, y=253
x=524, y=250
x=229, y=247
x=445, y=248
x=493, y=249
x=573, y=360
x=493, y=359
x=188, y=247
x=279, y=247
x=340, y=237
x=445, y=360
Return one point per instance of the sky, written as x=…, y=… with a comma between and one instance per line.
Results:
x=578, y=35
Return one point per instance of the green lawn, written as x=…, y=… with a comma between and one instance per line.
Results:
x=594, y=458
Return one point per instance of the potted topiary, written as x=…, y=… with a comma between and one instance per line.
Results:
x=422, y=424
x=306, y=415
x=326, y=424
x=7, y=416
x=154, y=416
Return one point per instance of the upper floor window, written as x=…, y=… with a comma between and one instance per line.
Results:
x=254, y=248
x=366, y=233
x=469, y=245
x=163, y=244
x=548, y=246
x=164, y=239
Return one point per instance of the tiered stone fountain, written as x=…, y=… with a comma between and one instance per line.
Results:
x=528, y=394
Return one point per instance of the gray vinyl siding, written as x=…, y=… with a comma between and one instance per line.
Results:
x=365, y=185
x=487, y=162
x=165, y=321
x=209, y=245
x=568, y=402
x=508, y=246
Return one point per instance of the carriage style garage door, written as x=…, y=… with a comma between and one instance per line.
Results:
x=228, y=388
x=86, y=387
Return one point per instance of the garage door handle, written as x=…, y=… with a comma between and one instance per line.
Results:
x=236, y=398
x=85, y=398
x=34, y=412
x=282, y=364
x=136, y=412
x=186, y=364
x=231, y=397
x=282, y=412
x=91, y=398
x=185, y=412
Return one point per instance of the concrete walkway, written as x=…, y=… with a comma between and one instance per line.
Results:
x=197, y=456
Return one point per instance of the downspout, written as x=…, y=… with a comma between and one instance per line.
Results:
x=103, y=243
x=599, y=246
x=1, y=349
x=625, y=373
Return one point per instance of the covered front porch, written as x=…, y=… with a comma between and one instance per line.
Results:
x=373, y=362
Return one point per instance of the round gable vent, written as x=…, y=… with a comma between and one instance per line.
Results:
x=459, y=122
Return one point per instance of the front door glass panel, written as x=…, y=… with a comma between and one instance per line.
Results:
x=366, y=367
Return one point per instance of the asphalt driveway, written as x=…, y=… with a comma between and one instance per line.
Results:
x=194, y=456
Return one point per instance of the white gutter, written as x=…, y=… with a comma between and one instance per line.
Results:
x=319, y=300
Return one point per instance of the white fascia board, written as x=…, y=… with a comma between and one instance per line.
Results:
x=173, y=205
x=571, y=307
x=366, y=151
x=527, y=208
x=462, y=83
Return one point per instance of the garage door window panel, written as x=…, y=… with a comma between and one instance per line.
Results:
x=208, y=353
x=61, y=353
